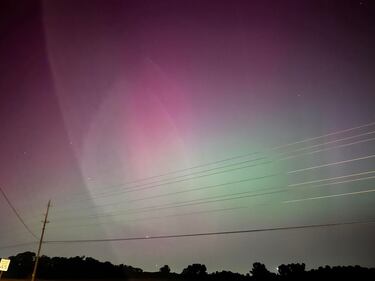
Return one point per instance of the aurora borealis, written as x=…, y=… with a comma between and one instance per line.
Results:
x=147, y=118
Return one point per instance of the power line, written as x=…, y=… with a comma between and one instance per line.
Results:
x=330, y=196
x=330, y=142
x=185, y=175
x=326, y=135
x=211, y=199
x=114, y=193
x=200, y=202
x=171, y=193
x=325, y=149
x=241, y=156
x=170, y=182
x=335, y=183
x=203, y=201
x=295, y=150
x=17, y=214
x=226, y=195
x=219, y=172
x=176, y=179
x=332, y=164
x=207, y=200
x=155, y=217
x=153, y=186
x=193, y=167
x=253, y=153
x=209, y=233
x=333, y=178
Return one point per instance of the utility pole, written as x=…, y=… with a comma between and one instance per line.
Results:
x=40, y=242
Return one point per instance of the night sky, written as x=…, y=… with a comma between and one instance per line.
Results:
x=147, y=118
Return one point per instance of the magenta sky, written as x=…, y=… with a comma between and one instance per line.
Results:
x=96, y=95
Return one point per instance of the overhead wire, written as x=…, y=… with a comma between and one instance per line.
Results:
x=171, y=181
x=171, y=193
x=325, y=165
x=176, y=179
x=325, y=135
x=184, y=235
x=227, y=183
x=332, y=178
x=331, y=164
x=207, y=200
x=150, y=218
x=165, y=182
x=17, y=214
x=253, y=153
x=154, y=186
x=330, y=142
x=337, y=182
x=256, y=159
x=329, y=196
x=192, y=167
x=325, y=149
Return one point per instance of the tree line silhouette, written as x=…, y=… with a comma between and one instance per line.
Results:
x=82, y=267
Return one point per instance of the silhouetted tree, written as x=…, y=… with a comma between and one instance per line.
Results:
x=293, y=271
x=195, y=270
x=81, y=267
x=165, y=270
x=21, y=265
x=227, y=276
x=260, y=272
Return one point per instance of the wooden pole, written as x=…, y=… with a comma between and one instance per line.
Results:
x=40, y=243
